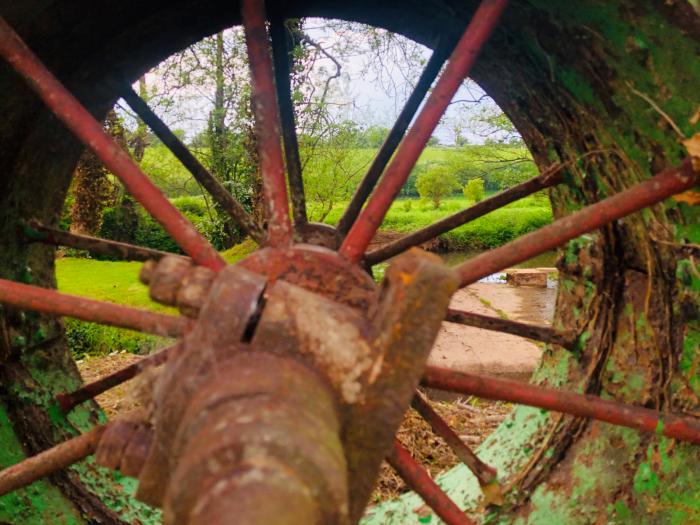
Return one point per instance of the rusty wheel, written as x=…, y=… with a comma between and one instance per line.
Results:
x=292, y=370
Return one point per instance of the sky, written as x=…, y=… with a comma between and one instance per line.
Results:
x=375, y=81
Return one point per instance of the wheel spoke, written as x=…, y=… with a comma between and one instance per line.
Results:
x=546, y=334
x=50, y=461
x=68, y=401
x=644, y=419
x=483, y=472
x=265, y=111
x=34, y=231
x=461, y=61
x=281, y=58
x=432, y=68
x=222, y=196
x=67, y=108
x=670, y=182
x=28, y=297
x=545, y=180
x=420, y=481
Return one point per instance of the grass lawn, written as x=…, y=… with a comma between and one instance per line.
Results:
x=494, y=229
x=118, y=282
x=115, y=282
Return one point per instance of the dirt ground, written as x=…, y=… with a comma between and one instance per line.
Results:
x=459, y=347
x=120, y=399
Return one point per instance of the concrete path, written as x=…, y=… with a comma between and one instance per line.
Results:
x=492, y=353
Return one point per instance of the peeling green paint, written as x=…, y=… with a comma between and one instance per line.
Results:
x=38, y=504
x=653, y=76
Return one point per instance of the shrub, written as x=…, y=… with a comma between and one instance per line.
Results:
x=436, y=183
x=474, y=190
x=131, y=223
x=94, y=339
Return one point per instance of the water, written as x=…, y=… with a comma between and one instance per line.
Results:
x=545, y=260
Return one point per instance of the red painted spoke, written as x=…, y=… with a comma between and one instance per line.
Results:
x=281, y=57
x=50, y=461
x=28, y=297
x=644, y=419
x=461, y=61
x=545, y=180
x=665, y=184
x=67, y=108
x=70, y=400
x=34, y=231
x=420, y=481
x=483, y=472
x=267, y=127
x=432, y=68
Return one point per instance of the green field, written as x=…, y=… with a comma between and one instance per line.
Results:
x=115, y=282
x=498, y=165
x=494, y=229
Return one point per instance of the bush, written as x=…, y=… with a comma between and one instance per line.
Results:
x=498, y=227
x=136, y=226
x=436, y=183
x=474, y=190
x=95, y=339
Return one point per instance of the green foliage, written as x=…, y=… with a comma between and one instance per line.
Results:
x=436, y=183
x=167, y=172
x=474, y=190
x=95, y=339
x=492, y=230
x=332, y=169
x=115, y=282
x=371, y=137
x=132, y=224
x=239, y=251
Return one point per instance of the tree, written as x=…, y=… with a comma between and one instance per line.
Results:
x=474, y=189
x=372, y=137
x=334, y=169
x=92, y=188
x=436, y=183
x=495, y=126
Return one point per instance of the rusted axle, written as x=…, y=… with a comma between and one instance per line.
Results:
x=198, y=171
x=665, y=184
x=70, y=400
x=546, y=334
x=545, y=180
x=50, y=461
x=28, y=297
x=483, y=472
x=36, y=232
x=418, y=479
x=67, y=108
x=644, y=419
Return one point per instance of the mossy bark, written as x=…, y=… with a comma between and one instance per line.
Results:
x=605, y=87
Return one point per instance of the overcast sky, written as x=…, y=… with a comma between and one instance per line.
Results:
x=367, y=93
